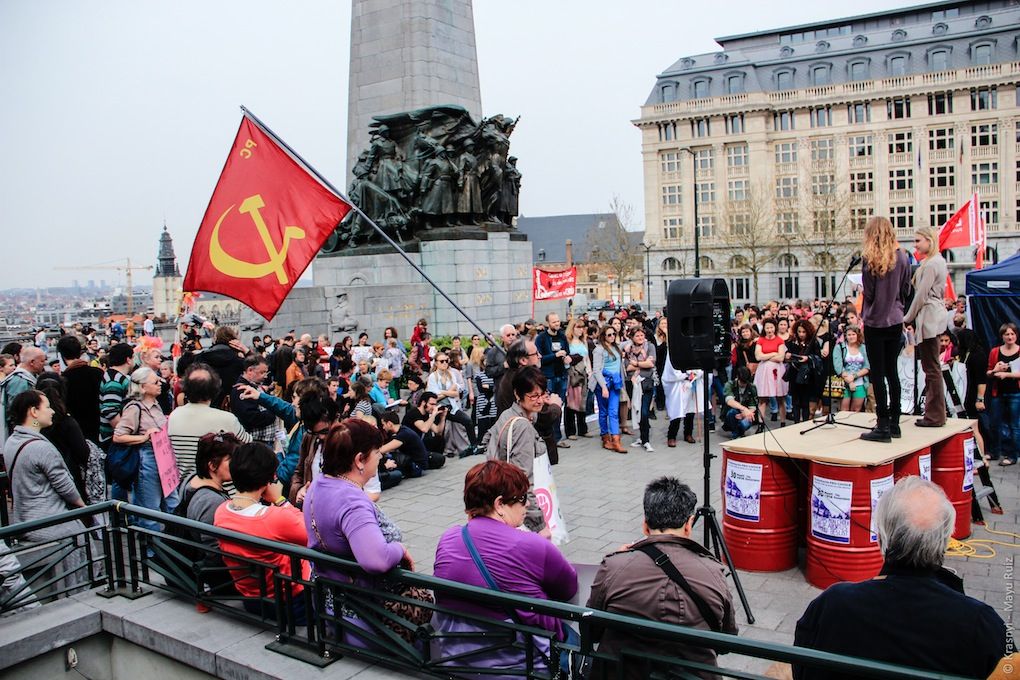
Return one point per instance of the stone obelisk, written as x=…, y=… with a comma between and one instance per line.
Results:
x=407, y=54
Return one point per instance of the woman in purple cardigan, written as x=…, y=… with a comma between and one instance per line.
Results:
x=491, y=552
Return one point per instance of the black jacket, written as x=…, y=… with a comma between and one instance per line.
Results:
x=904, y=616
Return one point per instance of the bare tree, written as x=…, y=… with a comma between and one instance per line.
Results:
x=611, y=247
x=828, y=238
x=749, y=231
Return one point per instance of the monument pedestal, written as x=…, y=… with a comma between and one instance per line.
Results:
x=487, y=274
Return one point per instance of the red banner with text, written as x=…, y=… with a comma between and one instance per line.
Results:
x=554, y=285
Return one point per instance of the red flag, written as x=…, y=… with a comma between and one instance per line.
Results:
x=950, y=294
x=266, y=220
x=554, y=285
x=964, y=229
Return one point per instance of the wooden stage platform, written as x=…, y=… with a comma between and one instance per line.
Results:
x=840, y=445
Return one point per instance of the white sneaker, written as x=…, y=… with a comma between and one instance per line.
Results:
x=636, y=442
x=648, y=447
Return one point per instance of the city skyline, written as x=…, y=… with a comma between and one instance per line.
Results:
x=124, y=112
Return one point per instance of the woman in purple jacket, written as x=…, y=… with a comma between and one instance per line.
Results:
x=491, y=552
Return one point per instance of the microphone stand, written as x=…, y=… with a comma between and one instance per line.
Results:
x=830, y=418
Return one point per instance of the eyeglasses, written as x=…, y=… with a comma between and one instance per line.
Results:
x=534, y=354
x=514, y=500
x=535, y=396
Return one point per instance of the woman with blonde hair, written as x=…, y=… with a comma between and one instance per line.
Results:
x=574, y=423
x=928, y=314
x=886, y=278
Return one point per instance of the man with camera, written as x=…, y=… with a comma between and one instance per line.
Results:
x=428, y=419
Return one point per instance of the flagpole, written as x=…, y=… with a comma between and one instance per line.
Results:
x=265, y=128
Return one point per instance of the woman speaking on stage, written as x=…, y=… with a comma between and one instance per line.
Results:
x=886, y=276
x=928, y=314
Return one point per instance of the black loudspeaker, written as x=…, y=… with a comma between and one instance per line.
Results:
x=698, y=314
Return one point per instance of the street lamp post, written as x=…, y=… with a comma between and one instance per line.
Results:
x=697, y=227
x=648, y=274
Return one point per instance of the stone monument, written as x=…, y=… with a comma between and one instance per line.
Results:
x=439, y=183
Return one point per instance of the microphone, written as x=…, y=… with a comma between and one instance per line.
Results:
x=855, y=260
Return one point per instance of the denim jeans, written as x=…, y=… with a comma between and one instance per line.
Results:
x=609, y=411
x=1009, y=428
x=148, y=490
x=736, y=425
x=558, y=386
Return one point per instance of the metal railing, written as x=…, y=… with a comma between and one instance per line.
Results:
x=356, y=615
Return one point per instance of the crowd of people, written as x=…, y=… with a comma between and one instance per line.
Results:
x=295, y=440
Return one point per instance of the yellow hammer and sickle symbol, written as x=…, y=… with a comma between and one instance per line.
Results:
x=240, y=269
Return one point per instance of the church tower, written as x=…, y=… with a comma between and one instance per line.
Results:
x=167, y=281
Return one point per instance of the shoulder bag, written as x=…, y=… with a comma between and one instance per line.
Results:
x=123, y=460
x=663, y=562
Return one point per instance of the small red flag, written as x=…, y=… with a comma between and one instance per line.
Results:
x=559, y=285
x=950, y=294
x=267, y=219
x=965, y=229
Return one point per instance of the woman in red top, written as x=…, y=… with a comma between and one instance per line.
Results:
x=260, y=509
x=768, y=378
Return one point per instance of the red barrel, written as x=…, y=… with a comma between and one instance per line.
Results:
x=917, y=464
x=760, y=511
x=952, y=468
x=841, y=546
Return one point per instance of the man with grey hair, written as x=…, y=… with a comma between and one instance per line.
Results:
x=495, y=356
x=665, y=577
x=22, y=379
x=914, y=612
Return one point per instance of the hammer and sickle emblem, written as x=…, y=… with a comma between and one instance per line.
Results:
x=240, y=269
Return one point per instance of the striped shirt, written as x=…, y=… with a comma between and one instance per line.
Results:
x=112, y=392
x=189, y=423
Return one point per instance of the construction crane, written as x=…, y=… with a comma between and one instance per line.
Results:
x=127, y=268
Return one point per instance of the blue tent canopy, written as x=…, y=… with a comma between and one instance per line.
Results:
x=994, y=298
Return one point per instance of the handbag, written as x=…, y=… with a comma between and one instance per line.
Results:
x=410, y=612
x=123, y=461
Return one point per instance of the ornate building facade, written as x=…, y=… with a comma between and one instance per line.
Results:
x=784, y=142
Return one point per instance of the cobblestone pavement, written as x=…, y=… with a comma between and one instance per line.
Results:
x=601, y=495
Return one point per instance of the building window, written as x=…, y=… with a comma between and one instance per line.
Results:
x=739, y=223
x=789, y=287
x=862, y=182
x=667, y=132
x=823, y=185
x=706, y=225
x=984, y=173
x=735, y=84
x=901, y=178
x=825, y=286
x=902, y=216
x=786, y=187
x=858, y=70
x=784, y=80
x=736, y=190
x=984, y=98
x=820, y=76
x=986, y=134
x=990, y=210
x=859, y=146
x=782, y=120
x=897, y=108
x=668, y=93
x=898, y=66
x=736, y=156
x=671, y=227
x=938, y=60
x=671, y=264
x=706, y=263
x=735, y=124
x=981, y=54
x=670, y=161
x=671, y=194
x=703, y=159
x=787, y=222
x=901, y=142
x=700, y=127
x=823, y=221
x=859, y=218
x=706, y=192
x=820, y=116
x=786, y=152
x=699, y=89
x=940, y=103
x=858, y=113
x=941, y=176
x=823, y=150
x=945, y=13
x=940, y=213
x=740, y=287
x=940, y=138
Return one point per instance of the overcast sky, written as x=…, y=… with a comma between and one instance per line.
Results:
x=116, y=115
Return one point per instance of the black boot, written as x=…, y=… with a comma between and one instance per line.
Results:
x=894, y=425
x=880, y=433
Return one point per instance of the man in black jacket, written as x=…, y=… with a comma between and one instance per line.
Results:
x=257, y=420
x=914, y=613
x=226, y=357
x=82, y=387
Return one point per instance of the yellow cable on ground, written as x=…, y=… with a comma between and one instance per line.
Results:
x=974, y=547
